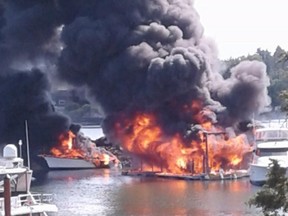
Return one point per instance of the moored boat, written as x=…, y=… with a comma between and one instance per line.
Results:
x=97, y=158
x=78, y=152
x=19, y=177
x=72, y=163
x=270, y=144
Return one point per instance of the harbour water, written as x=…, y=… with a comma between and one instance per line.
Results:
x=106, y=192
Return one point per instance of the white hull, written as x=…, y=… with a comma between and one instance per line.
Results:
x=258, y=174
x=68, y=163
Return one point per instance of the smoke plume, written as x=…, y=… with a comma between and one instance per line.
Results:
x=151, y=55
x=28, y=42
x=130, y=55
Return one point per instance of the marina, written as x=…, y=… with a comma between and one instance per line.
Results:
x=115, y=191
x=129, y=108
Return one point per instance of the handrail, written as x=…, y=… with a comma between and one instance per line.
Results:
x=28, y=199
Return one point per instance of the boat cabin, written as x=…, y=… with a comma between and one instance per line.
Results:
x=271, y=142
x=271, y=134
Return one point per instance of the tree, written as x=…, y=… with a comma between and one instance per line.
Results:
x=272, y=198
x=284, y=100
x=277, y=92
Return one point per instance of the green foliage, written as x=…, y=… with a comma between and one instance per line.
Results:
x=277, y=92
x=272, y=198
x=284, y=100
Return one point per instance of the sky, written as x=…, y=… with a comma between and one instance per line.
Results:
x=239, y=27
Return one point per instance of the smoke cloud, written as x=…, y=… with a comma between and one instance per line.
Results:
x=151, y=55
x=28, y=46
x=130, y=55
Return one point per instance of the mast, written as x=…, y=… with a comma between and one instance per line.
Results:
x=27, y=143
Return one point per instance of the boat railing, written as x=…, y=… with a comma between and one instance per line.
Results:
x=282, y=123
x=43, y=198
x=28, y=199
x=14, y=202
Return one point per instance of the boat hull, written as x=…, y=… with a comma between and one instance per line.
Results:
x=68, y=163
x=258, y=174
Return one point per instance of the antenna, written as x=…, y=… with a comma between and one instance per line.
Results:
x=27, y=142
x=20, y=147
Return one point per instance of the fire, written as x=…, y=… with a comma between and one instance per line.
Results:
x=66, y=147
x=69, y=146
x=106, y=159
x=209, y=149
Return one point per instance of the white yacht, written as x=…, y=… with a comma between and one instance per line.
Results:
x=22, y=201
x=97, y=158
x=270, y=143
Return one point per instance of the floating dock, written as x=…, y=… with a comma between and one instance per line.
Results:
x=235, y=174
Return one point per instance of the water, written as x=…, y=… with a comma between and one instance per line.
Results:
x=107, y=192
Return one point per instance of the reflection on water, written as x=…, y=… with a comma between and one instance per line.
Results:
x=107, y=192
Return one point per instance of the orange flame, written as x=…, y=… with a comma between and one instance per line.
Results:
x=143, y=137
x=66, y=148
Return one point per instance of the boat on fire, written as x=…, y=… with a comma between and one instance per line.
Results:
x=79, y=152
x=270, y=144
x=105, y=160
x=98, y=158
x=22, y=200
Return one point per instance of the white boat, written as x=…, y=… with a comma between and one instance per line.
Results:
x=270, y=143
x=19, y=177
x=68, y=163
x=99, y=158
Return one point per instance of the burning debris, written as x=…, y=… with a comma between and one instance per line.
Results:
x=147, y=66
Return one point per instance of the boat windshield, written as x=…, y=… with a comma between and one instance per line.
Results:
x=266, y=135
x=272, y=152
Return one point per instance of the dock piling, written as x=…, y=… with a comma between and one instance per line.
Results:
x=7, y=196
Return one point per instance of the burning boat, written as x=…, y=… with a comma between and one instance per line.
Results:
x=79, y=152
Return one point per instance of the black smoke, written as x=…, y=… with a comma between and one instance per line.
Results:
x=28, y=46
x=130, y=55
x=152, y=56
